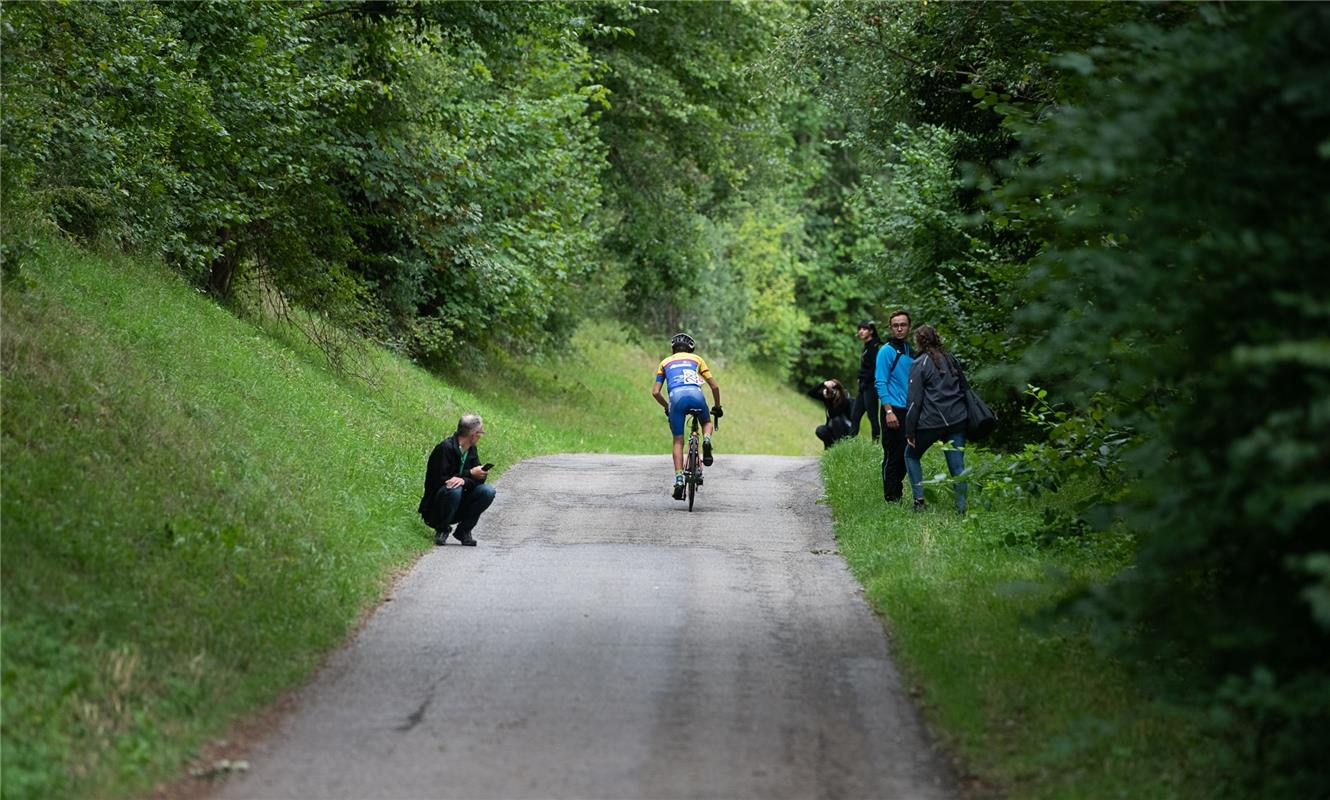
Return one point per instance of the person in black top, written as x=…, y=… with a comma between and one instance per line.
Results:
x=455, y=490
x=833, y=395
x=866, y=400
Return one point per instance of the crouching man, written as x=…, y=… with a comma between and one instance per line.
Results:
x=455, y=490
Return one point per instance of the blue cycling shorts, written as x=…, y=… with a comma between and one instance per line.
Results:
x=682, y=399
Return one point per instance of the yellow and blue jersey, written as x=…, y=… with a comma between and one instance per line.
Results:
x=682, y=371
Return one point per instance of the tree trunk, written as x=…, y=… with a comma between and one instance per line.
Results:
x=224, y=266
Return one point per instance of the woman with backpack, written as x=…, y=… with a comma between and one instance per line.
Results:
x=935, y=412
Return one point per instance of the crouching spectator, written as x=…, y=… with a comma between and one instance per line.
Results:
x=837, y=402
x=455, y=490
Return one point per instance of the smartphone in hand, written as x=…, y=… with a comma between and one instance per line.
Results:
x=488, y=467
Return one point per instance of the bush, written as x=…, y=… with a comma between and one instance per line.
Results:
x=1185, y=208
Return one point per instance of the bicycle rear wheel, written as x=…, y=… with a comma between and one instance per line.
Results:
x=692, y=479
x=692, y=466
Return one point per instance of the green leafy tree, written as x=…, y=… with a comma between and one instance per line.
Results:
x=427, y=173
x=258, y=197
x=94, y=94
x=473, y=171
x=748, y=307
x=1186, y=199
x=929, y=94
x=687, y=130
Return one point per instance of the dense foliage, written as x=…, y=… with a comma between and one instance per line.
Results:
x=423, y=172
x=1186, y=209
x=1122, y=204
x=1125, y=204
x=433, y=174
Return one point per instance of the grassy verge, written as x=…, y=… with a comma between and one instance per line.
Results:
x=195, y=510
x=1036, y=714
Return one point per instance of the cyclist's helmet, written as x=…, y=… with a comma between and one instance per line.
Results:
x=682, y=341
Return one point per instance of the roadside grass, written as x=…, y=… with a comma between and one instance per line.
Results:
x=196, y=510
x=1032, y=710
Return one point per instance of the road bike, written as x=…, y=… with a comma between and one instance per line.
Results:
x=692, y=465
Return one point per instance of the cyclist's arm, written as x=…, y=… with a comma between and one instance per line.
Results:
x=655, y=392
x=715, y=390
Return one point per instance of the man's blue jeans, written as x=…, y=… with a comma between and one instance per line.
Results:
x=458, y=507
x=955, y=461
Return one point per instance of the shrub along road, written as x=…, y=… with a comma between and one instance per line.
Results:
x=604, y=642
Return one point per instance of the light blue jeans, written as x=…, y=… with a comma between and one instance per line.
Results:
x=955, y=460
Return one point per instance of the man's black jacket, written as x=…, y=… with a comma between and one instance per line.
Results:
x=447, y=461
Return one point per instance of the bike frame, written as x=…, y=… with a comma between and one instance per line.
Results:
x=692, y=461
x=692, y=469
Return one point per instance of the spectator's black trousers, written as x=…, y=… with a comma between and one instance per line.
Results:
x=866, y=402
x=893, y=456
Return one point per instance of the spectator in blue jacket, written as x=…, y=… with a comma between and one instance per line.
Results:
x=892, y=377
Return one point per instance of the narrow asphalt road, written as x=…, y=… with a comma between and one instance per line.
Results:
x=603, y=642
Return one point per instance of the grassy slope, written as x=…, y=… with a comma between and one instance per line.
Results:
x=1042, y=715
x=194, y=510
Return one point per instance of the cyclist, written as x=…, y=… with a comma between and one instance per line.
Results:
x=682, y=374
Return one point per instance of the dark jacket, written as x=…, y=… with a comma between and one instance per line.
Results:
x=446, y=461
x=841, y=409
x=868, y=364
x=936, y=399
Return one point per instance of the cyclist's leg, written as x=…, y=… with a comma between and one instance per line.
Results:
x=696, y=401
x=708, y=426
x=678, y=410
x=680, y=402
x=708, y=456
x=676, y=414
x=678, y=485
